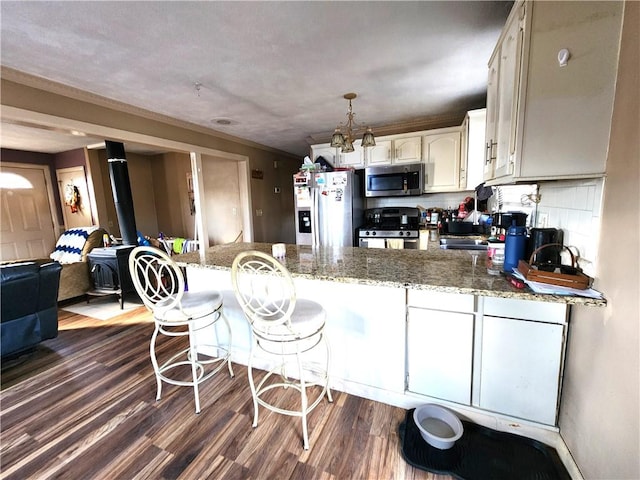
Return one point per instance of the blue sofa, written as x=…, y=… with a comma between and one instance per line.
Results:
x=29, y=310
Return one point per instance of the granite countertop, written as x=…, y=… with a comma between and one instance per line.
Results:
x=451, y=271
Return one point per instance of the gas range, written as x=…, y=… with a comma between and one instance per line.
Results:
x=373, y=232
x=391, y=222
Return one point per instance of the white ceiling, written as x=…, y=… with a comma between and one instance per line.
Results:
x=276, y=70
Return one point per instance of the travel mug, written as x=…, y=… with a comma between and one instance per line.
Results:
x=514, y=247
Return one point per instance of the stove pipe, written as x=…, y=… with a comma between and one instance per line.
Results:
x=121, y=187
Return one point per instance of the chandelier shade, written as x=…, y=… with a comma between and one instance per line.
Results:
x=345, y=140
x=337, y=140
x=368, y=140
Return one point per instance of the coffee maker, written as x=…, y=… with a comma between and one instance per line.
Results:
x=549, y=256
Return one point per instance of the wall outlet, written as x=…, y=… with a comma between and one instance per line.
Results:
x=275, y=164
x=258, y=212
x=276, y=189
x=234, y=211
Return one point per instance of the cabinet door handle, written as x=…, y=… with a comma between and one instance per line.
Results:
x=489, y=155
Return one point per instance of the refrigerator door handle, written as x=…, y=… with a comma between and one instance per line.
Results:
x=314, y=218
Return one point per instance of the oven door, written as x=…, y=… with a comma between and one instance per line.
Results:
x=369, y=242
x=407, y=243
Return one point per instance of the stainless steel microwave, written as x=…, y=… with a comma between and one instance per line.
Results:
x=394, y=180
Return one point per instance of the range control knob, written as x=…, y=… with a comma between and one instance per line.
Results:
x=373, y=233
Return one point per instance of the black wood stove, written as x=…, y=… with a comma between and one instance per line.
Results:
x=109, y=267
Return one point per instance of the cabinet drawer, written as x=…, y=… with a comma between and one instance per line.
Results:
x=452, y=302
x=526, y=309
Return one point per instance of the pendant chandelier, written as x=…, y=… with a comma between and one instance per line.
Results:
x=345, y=140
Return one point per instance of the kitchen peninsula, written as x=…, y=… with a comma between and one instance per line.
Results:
x=408, y=327
x=434, y=269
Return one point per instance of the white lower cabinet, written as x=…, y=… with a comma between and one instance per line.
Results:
x=439, y=354
x=365, y=327
x=496, y=354
x=520, y=368
x=366, y=330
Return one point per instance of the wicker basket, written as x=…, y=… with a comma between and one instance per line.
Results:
x=568, y=276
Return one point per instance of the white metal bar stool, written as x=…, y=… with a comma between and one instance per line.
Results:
x=285, y=327
x=160, y=283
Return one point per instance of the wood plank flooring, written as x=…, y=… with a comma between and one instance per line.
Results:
x=82, y=406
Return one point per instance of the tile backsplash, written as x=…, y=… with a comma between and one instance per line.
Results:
x=575, y=207
x=431, y=200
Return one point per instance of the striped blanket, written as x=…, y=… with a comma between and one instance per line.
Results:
x=70, y=244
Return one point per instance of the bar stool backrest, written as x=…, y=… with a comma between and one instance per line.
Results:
x=264, y=289
x=157, y=279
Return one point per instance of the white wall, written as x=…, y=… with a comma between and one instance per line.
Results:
x=600, y=410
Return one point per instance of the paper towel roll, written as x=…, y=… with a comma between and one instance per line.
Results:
x=424, y=239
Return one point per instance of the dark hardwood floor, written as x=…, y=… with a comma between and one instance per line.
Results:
x=82, y=406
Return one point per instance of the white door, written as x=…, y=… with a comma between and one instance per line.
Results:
x=74, y=197
x=26, y=221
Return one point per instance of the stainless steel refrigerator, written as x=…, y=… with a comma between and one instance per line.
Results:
x=329, y=207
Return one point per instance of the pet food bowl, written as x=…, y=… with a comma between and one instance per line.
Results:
x=439, y=427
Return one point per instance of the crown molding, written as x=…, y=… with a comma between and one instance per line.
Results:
x=40, y=83
x=415, y=125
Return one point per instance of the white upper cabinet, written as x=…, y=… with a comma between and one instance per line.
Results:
x=502, y=97
x=472, y=149
x=380, y=154
x=325, y=151
x=440, y=150
x=442, y=160
x=491, y=143
x=395, y=151
x=544, y=120
x=353, y=159
x=408, y=150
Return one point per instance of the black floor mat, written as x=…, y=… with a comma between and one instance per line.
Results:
x=483, y=453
